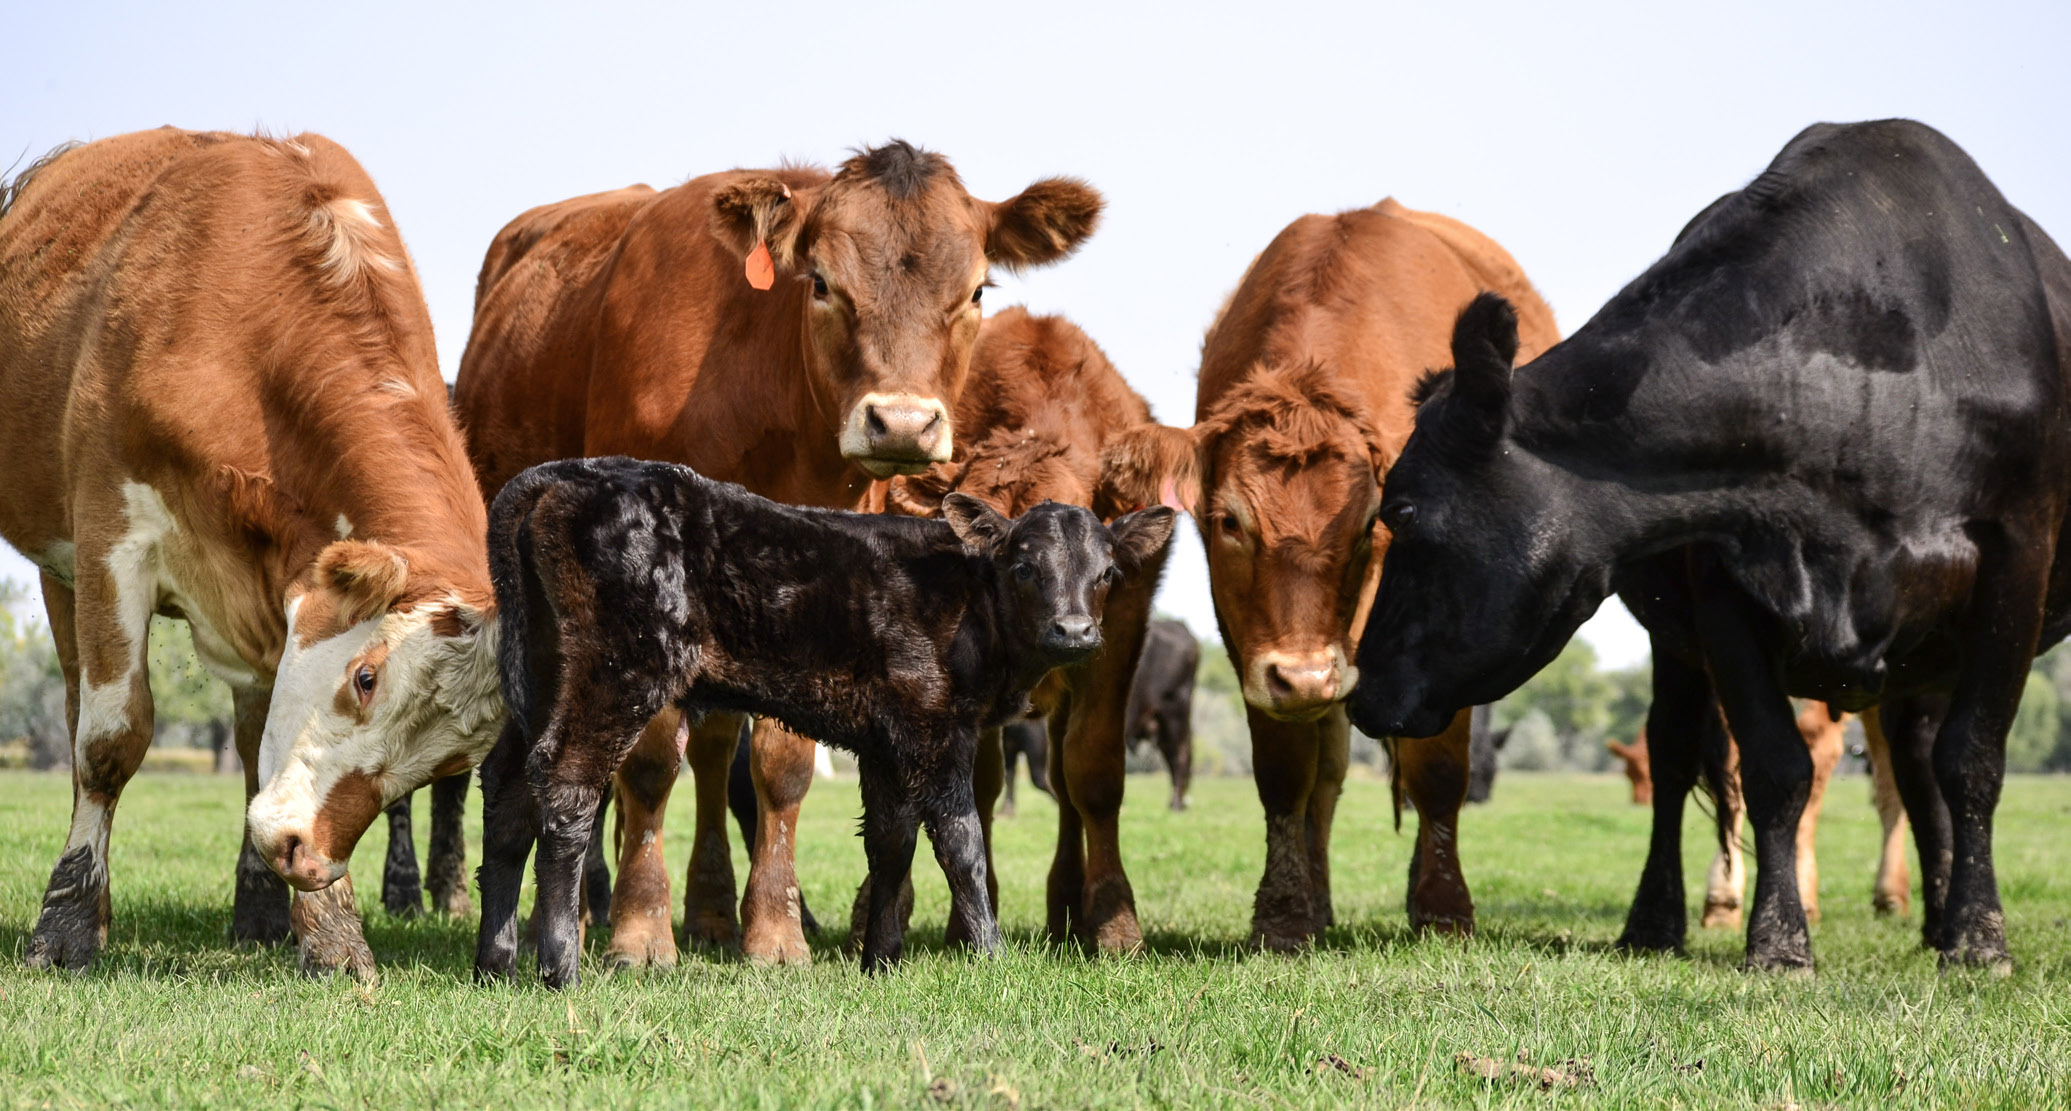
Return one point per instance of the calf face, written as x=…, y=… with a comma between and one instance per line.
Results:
x=386, y=682
x=895, y=254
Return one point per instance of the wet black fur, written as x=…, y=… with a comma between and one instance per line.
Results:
x=624, y=587
x=1821, y=448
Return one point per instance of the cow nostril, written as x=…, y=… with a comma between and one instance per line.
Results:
x=293, y=846
x=1276, y=682
x=873, y=422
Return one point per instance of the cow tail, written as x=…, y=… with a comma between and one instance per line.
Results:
x=1712, y=756
x=514, y=573
x=1392, y=746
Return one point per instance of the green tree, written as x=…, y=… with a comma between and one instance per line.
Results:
x=1576, y=699
x=2032, y=743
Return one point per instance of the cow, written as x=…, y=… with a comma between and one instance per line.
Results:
x=223, y=405
x=1820, y=448
x=1161, y=701
x=1029, y=737
x=802, y=333
x=1484, y=747
x=1302, y=405
x=1726, y=883
x=1043, y=406
x=628, y=586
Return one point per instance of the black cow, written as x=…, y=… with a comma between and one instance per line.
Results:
x=1029, y=737
x=1821, y=448
x=1484, y=746
x=624, y=587
x=1161, y=701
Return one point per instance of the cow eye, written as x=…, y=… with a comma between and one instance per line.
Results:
x=819, y=285
x=1024, y=571
x=978, y=295
x=1399, y=517
x=1112, y=575
x=1230, y=528
x=363, y=683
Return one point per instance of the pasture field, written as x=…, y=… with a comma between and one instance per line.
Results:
x=173, y=1015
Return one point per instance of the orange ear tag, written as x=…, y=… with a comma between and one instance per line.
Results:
x=762, y=273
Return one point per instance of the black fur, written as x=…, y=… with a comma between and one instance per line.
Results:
x=1161, y=701
x=625, y=587
x=902, y=168
x=1821, y=448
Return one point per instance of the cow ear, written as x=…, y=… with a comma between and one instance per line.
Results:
x=920, y=495
x=1043, y=223
x=1484, y=347
x=1151, y=464
x=759, y=209
x=366, y=577
x=1141, y=535
x=977, y=524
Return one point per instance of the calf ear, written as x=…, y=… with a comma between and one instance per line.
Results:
x=1043, y=223
x=1141, y=535
x=1484, y=347
x=1150, y=464
x=755, y=210
x=977, y=524
x=366, y=577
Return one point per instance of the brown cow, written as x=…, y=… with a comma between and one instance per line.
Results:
x=796, y=332
x=223, y=405
x=1726, y=882
x=1304, y=401
x=1042, y=405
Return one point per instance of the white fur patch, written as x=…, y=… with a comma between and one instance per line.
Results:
x=344, y=527
x=347, y=230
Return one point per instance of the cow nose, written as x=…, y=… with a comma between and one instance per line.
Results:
x=1072, y=634
x=304, y=868
x=902, y=431
x=1296, y=684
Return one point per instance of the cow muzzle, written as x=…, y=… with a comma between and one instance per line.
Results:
x=888, y=434
x=1297, y=686
x=298, y=861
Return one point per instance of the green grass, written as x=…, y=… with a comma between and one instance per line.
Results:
x=174, y=1015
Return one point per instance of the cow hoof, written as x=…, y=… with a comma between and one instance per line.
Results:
x=776, y=946
x=1443, y=925
x=1790, y=966
x=1720, y=915
x=1889, y=906
x=1110, y=918
x=70, y=946
x=631, y=949
x=452, y=902
x=1280, y=939
x=321, y=957
x=1637, y=940
x=495, y=972
x=711, y=929
x=402, y=902
x=259, y=910
x=1981, y=946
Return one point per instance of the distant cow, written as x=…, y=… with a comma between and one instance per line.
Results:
x=1820, y=448
x=1029, y=737
x=222, y=404
x=1304, y=401
x=1484, y=748
x=629, y=586
x=799, y=332
x=1161, y=701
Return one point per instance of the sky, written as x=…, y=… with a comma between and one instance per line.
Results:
x=1580, y=136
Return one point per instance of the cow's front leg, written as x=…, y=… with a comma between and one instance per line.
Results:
x=1434, y=777
x=1065, y=889
x=510, y=824
x=772, y=915
x=1284, y=756
x=890, y=824
x=259, y=910
x=1893, y=893
x=402, y=889
x=445, y=865
x=640, y=903
x=959, y=834
x=1682, y=720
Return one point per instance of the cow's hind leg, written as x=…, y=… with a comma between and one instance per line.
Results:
x=640, y=930
x=1824, y=758
x=1434, y=777
x=402, y=890
x=1725, y=885
x=446, y=864
x=259, y=911
x=1682, y=720
x=1095, y=763
x=510, y=824
x=567, y=790
x=1176, y=742
x=988, y=774
x=596, y=869
x=772, y=920
x=711, y=916
x=1894, y=891
x=1910, y=727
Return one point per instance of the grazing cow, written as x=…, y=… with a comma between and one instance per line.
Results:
x=1161, y=701
x=1041, y=408
x=797, y=332
x=629, y=586
x=222, y=404
x=1028, y=737
x=1820, y=448
x=1303, y=404
x=1484, y=746
x=1726, y=882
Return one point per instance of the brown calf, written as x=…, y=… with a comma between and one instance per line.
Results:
x=796, y=332
x=1304, y=401
x=1042, y=404
x=223, y=404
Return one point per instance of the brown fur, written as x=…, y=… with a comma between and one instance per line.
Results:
x=1304, y=402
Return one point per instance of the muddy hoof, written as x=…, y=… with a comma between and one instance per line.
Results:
x=1888, y=906
x=1443, y=925
x=1720, y=915
x=63, y=944
x=323, y=956
x=453, y=902
x=648, y=948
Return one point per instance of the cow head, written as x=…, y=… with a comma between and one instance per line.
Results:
x=892, y=257
x=1283, y=478
x=1637, y=769
x=1495, y=556
x=1056, y=565
x=388, y=680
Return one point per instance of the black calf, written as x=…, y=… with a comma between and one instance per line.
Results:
x=625, y=587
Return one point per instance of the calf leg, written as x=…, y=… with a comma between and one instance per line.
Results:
x=1826, y=753
x=781, y=764
x=1284, y=756
x=510, y=824
x=889, y=826
x=1010, y=758
x=402, y=892
x=1039, y=759
x=1910, y=726
x=446, y=863
x=961, y=836
x=710, y=913
x=1893, y=893
x=1434, y=776
x=596, y=870
x=259, y=911
x=988, y=772
x=1726, y=884
x=640, y=933
x=1680, y=722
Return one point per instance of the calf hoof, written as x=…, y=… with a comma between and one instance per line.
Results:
x=1720, y=914
x=711, y=928
x=1110, y=918
x=496, y=969
x=1444, y=925
x=74, y=922
x=561, y=976
x=641, y=943
x=324, y=955
x=1292, y=939
x=328, y=933
x=1980, y=945
x=1650, y=937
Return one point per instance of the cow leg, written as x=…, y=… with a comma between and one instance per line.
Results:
x=1910, y=727
x=446, y=864
x=1678, y=722
x=1066, y=892
x=961, y=835
x=1095, y=761
x=781, y=764
x=1434, y=776
x=402, y=891
x=711, y=913
x=1039, y=744
x=1010, y=759
x=1893, y=892
x=259, y=910
x=1284, y=758
x=596, y=870
x=890, y=824
x=640, y=933
x=1333, y=759
x=510, y=824
x=1726, y=884
x=1176, y=741
x=988, y=772
x=1825, y=756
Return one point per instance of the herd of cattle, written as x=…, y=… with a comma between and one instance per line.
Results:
x=747, y=454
